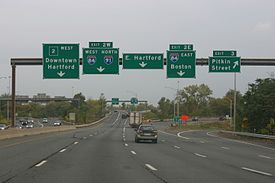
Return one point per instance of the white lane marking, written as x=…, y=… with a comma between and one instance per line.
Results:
x=263, y=156
x=162, y=140
x=256, y=171
x=116, y=119
x=242, y=142
x=200, y=155
x=84, y=137
x=126, y=145
x=133, y=152
x=211, y=135
x=202, y=142
x=177, y=147
x=62, y=150
x=173, y=135
x=75, y=143
x=91, y=135
x=178, y=134
x=151, y=167
x=41, y=163
x=125, y=122
x=227, y=148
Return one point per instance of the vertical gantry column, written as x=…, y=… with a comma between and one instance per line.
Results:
x=13, y=104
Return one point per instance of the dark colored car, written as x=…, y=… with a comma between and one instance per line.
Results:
x=146, y=132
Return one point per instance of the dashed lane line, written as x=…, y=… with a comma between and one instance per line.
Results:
x=151, y=167
x=200, y=155
x=76, y=143
x=63, y=150
x=226, y=148
x=41, y=163
x=256, y=171
x=133, y=152
x=177, y=147
x=263, y=156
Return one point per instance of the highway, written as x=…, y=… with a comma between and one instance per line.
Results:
x=107, y=153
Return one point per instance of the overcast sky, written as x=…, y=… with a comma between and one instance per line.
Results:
x=247, y=26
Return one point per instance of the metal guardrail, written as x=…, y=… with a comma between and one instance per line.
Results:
x=255, y=135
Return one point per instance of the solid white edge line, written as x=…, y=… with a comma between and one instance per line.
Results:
x=133, y=152
x=256, y=171
x=263, y=156
x=200, y=155
x=151, y=167
x=242, y=142
x=173, y=135
x=41, y=163
x=62, y=150
x=178, y=134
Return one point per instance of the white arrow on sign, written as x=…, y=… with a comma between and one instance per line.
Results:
x=236, y=63
x=100, y=69
x=181, y=73
x=142, y=64
x=61, y=74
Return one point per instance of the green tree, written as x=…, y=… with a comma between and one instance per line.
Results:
x=195, y=98
x=165, y=107
x=259, y=104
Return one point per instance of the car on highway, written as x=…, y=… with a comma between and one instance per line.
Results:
x=30, y=125
x=146, y=132
x=57, y=123
x=44, y=120
x=3, y=127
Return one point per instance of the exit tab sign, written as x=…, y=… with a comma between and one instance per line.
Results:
x=224, y=53
x=181, y=47
x=100, y=44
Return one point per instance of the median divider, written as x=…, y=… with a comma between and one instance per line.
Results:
x=16, y=132
x=93, y=123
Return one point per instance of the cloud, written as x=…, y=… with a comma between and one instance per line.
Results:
x=263, y=26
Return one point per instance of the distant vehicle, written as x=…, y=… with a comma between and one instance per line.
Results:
x=44, y=120
x=195, y=119
x=24, y=122
x=146, y=132
x=30, y=125
x=57, y=123
x=115, y=111
x=124, y=116
x=30, y=121
x=135, y=119
x=3, y=127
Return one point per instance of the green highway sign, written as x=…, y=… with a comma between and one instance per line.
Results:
x=181, y=64
x=100, y=44
x=61, y=61
x=115, y=101
x=224, y=64
x=224, y=53
x=134, y=100
x=143, y=61
x=181, y=47
x=100, y=61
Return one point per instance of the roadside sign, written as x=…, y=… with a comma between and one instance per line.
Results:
x=100, y=44
x=143, y=61
x=181, y=47
x=60, y=61
x=184, y=117
x=115, y=101
x=100, y=61
x=181, y=64
x=224, y=53
x=224, y=64
x=134, y=100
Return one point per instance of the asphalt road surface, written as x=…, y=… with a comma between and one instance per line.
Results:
x=107, y=153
